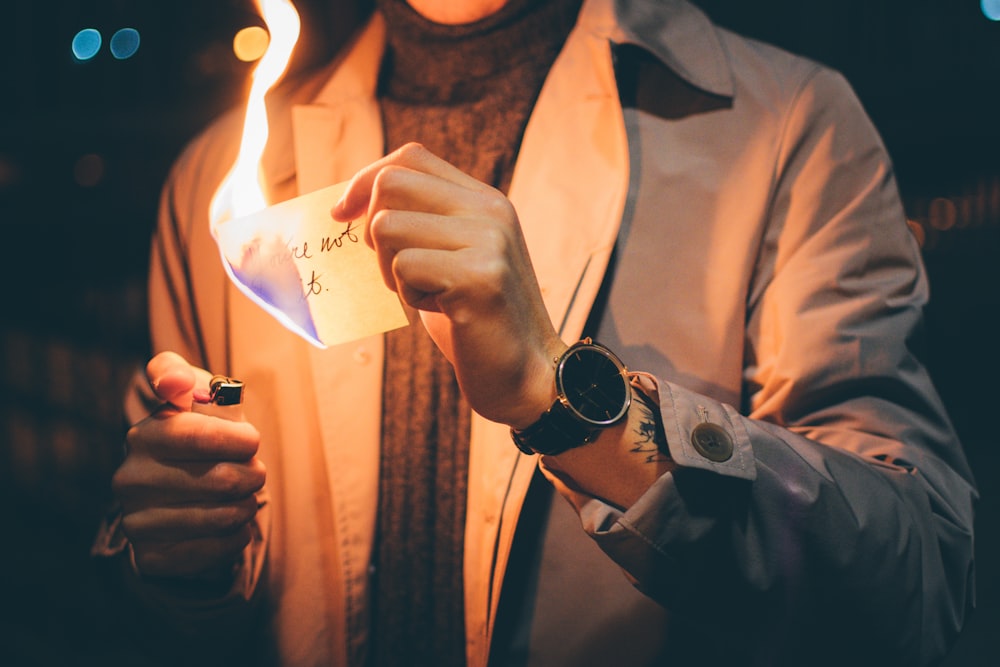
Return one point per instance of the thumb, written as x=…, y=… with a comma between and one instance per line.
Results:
x=172, y=379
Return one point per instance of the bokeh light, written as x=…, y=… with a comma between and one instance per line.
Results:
x=124, y=43
x=942, y=213
x=10, y=172
x=88, y=171
x=86, y=44
x=991, y=9
x=249, y=44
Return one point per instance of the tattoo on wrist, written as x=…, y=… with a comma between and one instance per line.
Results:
x=650, y=438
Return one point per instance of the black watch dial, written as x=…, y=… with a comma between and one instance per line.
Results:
x=594, y=383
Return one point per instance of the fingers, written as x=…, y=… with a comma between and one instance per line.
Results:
x=416, y=201
x=458, y=284
x=187, y=519
x=396, y=231
x=180, y=524
x=191, y=558
x=142, y=483
x=411, y=173
x=188, y=436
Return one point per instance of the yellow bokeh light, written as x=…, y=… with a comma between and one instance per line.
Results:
x=249, y=44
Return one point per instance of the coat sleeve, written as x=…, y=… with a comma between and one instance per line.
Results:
x=834, y=508
x=186, y=293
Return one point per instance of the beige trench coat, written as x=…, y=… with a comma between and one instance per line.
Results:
x=763, y=273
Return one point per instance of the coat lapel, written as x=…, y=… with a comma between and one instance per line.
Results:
x=334, y=136
x=569, y=190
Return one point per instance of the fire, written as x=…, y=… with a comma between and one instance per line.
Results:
x=242, y=191
x=322, y=284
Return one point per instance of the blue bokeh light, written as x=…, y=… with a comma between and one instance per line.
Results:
x=86, y=44
x=124, y=43
x=991, y=9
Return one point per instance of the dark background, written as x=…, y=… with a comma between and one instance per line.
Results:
x=85, y=146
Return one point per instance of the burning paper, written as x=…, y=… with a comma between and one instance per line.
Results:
x=315, y=274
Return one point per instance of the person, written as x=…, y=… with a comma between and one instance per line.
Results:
x=771, y=480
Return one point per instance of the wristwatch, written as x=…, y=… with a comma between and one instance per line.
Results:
x=593, y=392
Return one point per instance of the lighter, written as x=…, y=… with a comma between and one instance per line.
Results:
x=225, y=399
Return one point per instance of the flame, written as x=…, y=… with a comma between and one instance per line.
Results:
x=242, y=191
x=326, y=298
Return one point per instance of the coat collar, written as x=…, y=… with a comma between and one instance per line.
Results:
x=681, y=36
x=676, y=32
x=340, y=130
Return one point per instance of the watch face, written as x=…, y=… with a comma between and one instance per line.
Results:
x=595, y=384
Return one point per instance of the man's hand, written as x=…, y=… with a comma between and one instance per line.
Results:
x=188, y=480
x=452, y=247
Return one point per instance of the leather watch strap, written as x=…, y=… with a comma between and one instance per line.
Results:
x=554, y=433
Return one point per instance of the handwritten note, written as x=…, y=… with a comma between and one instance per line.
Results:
x=314, y=274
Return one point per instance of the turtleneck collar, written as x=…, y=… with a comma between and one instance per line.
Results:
x=431, y=63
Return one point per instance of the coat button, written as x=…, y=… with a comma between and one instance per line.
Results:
x=712, y=442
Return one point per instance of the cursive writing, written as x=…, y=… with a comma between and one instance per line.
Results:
x=348, y=234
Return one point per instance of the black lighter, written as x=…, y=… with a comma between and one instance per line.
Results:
x=224, y=400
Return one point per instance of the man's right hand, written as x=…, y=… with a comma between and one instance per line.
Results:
x=187, y=483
